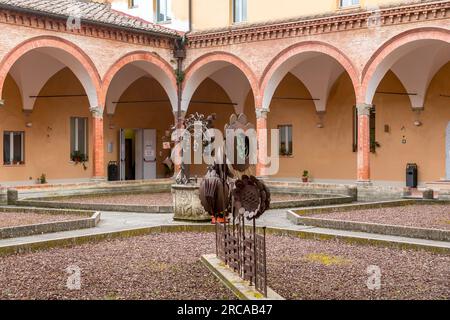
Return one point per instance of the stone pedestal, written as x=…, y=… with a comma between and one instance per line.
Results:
x=186, y=204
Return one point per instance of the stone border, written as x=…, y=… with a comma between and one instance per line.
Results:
x=323, y=200
x=240, y=288
x=299, y=217
x=312, y=188
x=304, y=234
x=354, y=206
x=95, y=206
x=91, y=220
x=87, y=188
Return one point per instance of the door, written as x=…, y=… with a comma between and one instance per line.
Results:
x=447, y=151
x=149, y=159
x=122, y=154
x=145, y=154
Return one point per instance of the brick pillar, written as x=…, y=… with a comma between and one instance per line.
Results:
x=98, y=172
x=179, y=118
x=363, y=158
x=261, y=132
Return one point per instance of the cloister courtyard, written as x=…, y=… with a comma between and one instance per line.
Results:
x=338, y=109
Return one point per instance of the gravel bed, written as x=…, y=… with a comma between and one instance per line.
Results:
x=143, y=199
x=166, y=266
x=313, y=269
x=278, y=197
x=422, y=216
x=14, y=219
x=160, y=266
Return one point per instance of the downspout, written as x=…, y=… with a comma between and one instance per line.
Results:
x=190, y=16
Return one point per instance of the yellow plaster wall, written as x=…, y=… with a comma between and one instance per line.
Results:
x=47, y=142
x=209, y=14
x=325, y=152
x=425, y=145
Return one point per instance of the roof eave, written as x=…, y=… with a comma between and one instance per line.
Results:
x=97, y=23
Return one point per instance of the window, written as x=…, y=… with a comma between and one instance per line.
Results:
x=373, y=142
x=348, y=3
x=13, y=147
x=78, y=138
x=285, y=140
x=239, y=10
x=163, y=10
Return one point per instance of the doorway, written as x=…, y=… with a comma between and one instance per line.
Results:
x=447, y=152
x=137, y=154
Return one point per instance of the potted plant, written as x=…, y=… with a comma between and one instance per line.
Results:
x=43, y=179
x=305, y=176
x=79, y=157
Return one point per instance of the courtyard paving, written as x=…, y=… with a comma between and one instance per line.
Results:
x=121, y=221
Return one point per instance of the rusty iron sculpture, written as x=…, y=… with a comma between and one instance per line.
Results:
x=189, y=124
x=231, y=202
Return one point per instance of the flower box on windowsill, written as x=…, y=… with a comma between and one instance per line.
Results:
x=14, y=163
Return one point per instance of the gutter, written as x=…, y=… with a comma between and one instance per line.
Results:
x=92, y=22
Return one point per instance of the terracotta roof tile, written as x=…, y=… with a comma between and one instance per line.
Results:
x=89, y=12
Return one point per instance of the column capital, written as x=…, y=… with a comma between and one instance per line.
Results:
x=262, y=113
x=363, y=109
x=27, y=112
x=179, y=115
x=97, y=112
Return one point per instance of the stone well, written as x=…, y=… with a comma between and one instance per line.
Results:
x=186, y=203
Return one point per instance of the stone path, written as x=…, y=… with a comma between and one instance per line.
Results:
x=120, y=221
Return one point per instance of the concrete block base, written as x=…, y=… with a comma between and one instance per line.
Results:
x=239, y=287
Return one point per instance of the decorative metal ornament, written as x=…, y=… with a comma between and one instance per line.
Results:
x=239, y=124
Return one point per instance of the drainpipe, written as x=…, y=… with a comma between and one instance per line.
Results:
x=179, y=54
x=190, y=16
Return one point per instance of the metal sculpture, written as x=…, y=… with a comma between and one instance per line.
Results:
x=190, y=123
x=231, y=202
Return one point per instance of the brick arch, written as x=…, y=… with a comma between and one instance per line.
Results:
x=217, y=57
x=391, y=46
x=157, y=67
x=303, y=48
x=68, y=48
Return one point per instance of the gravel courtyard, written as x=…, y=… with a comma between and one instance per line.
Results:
x=167, y=266
x=154, y=199
x=422, y=216
x=14, y=219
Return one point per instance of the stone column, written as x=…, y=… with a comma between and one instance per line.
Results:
x=363, y=158
x=98, y=172
x=261, y=132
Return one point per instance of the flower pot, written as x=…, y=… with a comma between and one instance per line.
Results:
x=215, y=220
x=305, y=179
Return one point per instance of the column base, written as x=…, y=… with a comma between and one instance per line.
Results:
x=364, y=183
x=98, y=179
